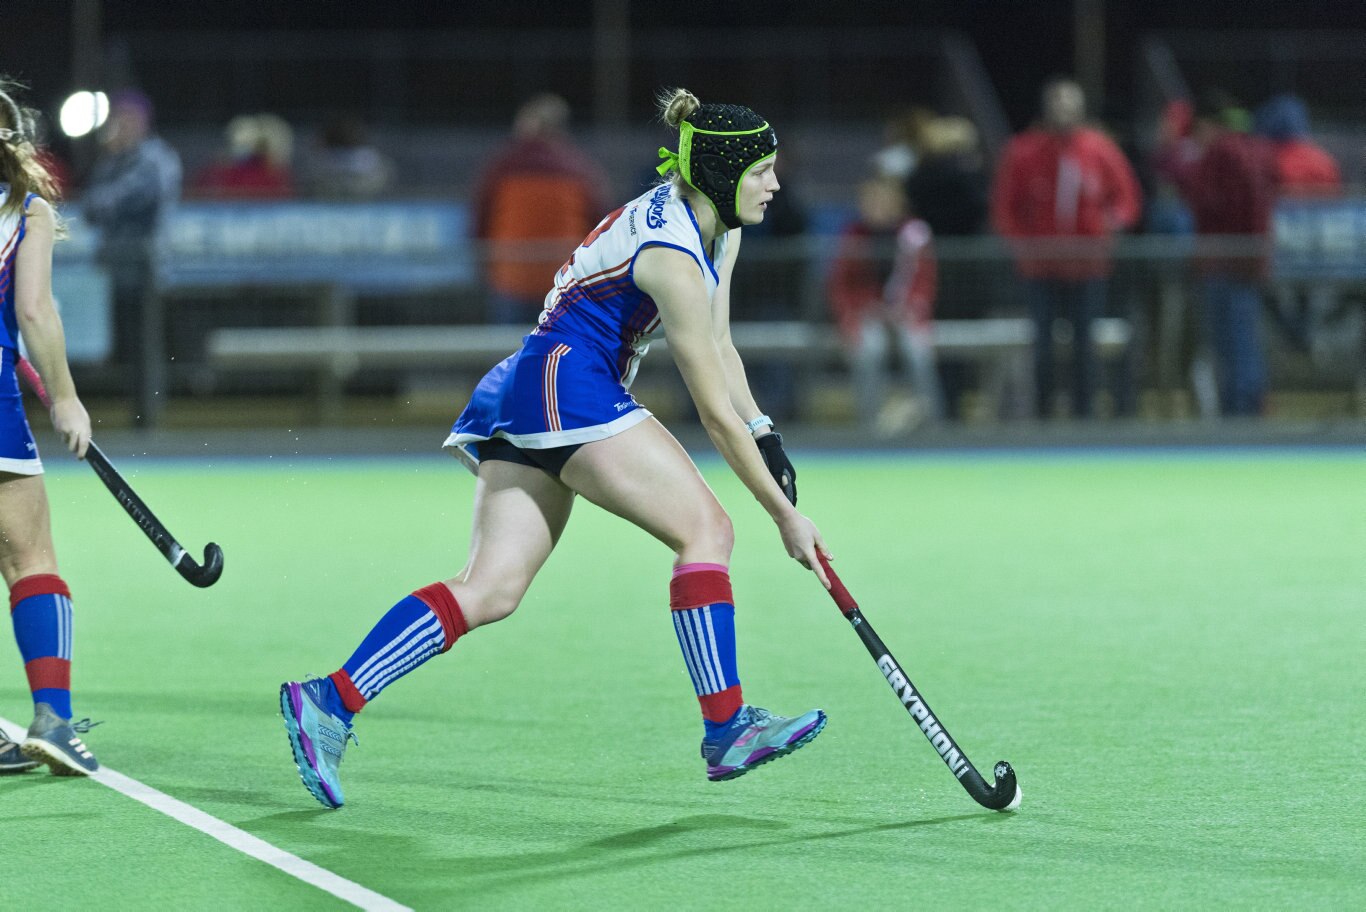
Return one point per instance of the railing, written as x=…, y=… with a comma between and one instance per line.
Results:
x=242, y=287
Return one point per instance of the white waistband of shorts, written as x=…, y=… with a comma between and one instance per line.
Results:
x=32, y=466
x=458, y=444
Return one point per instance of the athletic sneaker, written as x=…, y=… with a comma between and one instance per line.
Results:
x=12, y=760
x=56, y=742
x=317, y=737
x=757, y=736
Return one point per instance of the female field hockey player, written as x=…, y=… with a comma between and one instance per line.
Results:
x=40, y=603
x=556, y=419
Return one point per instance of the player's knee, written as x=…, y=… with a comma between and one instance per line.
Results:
x=487, y=606
x=714, y=532
x=15, y=567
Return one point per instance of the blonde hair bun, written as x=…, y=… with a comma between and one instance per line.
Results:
x=675, y=105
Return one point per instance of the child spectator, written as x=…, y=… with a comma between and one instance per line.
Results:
x=881, y=291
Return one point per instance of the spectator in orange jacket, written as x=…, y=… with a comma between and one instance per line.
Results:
x=1062, y=191
x=537, y=200
x=881, y=290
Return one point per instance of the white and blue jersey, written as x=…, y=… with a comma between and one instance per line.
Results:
x=570, y=381
x=18, y=452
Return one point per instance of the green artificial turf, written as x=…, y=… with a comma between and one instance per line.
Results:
x=1168, y=647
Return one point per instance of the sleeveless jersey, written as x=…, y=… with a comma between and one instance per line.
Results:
x=570, y=381
x=595, y=301
x=18, y=452
x=12, y=225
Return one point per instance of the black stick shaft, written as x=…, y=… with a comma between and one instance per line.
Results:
x=134, y=506
x=1004, y=794
x=914, y=702
x=201, y=576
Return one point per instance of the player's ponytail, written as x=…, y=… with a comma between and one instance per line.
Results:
x=20, y=165
x=675, y=105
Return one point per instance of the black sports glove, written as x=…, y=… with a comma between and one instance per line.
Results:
x=779, y=466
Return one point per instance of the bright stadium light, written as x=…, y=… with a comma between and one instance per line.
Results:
x=83, y=112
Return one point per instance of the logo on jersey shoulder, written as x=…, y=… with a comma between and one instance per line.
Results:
x=623, y=406
x=654, y=216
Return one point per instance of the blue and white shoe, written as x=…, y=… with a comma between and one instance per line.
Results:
x=12, y=760
x=317, y=738
x=57, y=742
x=757, y=736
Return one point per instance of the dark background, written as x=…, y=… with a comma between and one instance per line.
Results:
x=1021, y=43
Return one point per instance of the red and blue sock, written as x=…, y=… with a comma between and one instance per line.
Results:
x=40, y=609
x=704, y=620
x=424, y=624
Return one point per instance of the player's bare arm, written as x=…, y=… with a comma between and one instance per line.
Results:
x=737, y=383
x=41, y=327
x=672, y=280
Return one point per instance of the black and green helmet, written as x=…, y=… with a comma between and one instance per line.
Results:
x=718, y=144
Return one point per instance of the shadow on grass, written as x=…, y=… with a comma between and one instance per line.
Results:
x=490, y=875
x=13, y=782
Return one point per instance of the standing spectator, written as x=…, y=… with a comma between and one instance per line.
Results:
x=1228, y=179
x=346, y=165
x=133, y=186
x=948, y=189
x=882, y=288
x=1304, y=170
x=538, y=197
x=1303, y=167
x=1062, y=191
x=257, y=162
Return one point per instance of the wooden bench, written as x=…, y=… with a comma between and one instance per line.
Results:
x=335, y=353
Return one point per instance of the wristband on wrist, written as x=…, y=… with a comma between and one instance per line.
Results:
x=757, y=423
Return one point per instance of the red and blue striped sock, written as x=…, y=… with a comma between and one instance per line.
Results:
x=424, y=624
x=40, y=609
x=704, y=620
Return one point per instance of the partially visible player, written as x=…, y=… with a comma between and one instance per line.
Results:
x=40, y=603
x=557, y=419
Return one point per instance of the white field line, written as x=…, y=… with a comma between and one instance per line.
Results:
x=240, y=840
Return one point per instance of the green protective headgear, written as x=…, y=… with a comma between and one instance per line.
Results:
x=717, y=146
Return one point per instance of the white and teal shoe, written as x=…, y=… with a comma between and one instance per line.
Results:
x=757, y=736
x=317, y=738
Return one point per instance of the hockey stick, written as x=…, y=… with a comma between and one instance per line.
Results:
x=1005, y=794
x=201, y=576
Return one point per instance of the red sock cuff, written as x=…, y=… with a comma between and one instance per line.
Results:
x=49, y=672
x=438, y=597
x=37, y=584
x=719, y=707
x=698, y=588
x=351, y=697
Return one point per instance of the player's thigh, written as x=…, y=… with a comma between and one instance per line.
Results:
x=25, y=527
x=646, y=477
x=519, y=515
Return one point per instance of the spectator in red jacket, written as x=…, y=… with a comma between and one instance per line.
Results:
x=1304, y=171
x=881, y=291
x=1062, y=191
x=1303, y=167
x=536, y=201
x=1228, y=179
